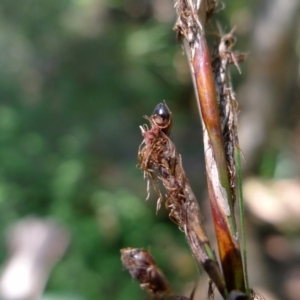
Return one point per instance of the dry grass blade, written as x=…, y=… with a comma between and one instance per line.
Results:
x=228, y=108
x=222, y=56
x=158, y=158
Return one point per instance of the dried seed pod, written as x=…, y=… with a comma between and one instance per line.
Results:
x=142, y=267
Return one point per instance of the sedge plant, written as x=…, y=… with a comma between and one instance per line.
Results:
x=160, y=161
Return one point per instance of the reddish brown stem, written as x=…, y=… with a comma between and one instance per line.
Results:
x=189, y=27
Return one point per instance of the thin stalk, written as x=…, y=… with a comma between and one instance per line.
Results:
x=189, y=28
x=237, y=158
x=242, y=215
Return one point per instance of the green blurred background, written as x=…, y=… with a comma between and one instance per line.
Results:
x=76, y=79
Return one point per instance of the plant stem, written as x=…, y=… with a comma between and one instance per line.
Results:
x=190, y=29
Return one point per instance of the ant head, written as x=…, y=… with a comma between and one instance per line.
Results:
x=162, y=117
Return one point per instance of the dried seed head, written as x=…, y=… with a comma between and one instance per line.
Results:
x=137, y=262
x=226, y=44
x=138, y=257
x=141, y=266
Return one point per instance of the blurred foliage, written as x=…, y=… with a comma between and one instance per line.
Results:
x=76, y=77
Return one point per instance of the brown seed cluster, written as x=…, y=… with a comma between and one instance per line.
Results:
x=159, y=159
x=142, y=267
